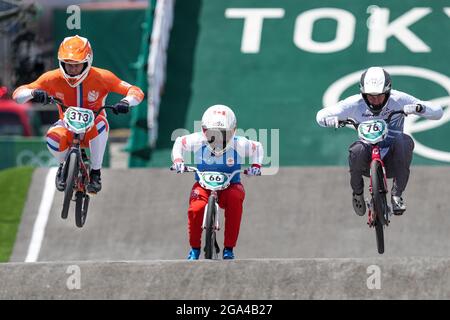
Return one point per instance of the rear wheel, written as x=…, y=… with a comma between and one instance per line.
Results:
x=379, y=203
x=81, y=208
x=72, y=173
x=210, y=234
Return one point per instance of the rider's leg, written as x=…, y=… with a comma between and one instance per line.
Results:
x=197, y=202
x=359, y=161
x=232, y=199
x=58, y=141
x=98, y=138
x=398, y=161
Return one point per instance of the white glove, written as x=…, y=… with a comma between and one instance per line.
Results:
x=414, y=109
x=179, y=166
x=254, y=170
x=331, y=122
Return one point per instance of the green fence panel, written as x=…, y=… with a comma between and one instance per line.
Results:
x=20, y=151
x=138, y=144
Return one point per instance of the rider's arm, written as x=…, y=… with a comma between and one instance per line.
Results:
x=432, y=112
x=187, y=143
x=25, y=93
x=342, y=110
x=250, y=148
x=133, y=94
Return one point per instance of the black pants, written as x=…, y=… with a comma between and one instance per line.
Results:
x=397, y=162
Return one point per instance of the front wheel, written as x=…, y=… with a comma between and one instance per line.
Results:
x=72, y=173
x=210, y=233
x=379, y=202
x=81, y=208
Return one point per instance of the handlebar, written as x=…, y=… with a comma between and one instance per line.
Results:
x=194, y=169
x=64, y=107
x=186, y=169
x=343, y=123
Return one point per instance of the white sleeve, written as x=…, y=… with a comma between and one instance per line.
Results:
x=186, y=143
x=342, y=110
x=250, y=148
x=23, y=95
x=432, y=112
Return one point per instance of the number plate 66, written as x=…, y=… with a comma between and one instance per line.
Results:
x=214, y=179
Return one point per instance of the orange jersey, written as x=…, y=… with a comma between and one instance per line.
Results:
x=90, y=94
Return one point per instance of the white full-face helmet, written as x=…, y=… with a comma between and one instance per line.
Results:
x=219, y=127
x=375, y=81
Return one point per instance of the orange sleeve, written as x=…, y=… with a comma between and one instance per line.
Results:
x=24, y=93
x=133, y=94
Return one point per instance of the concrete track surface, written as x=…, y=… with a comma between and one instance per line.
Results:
x=401, y=278
x=297, y=226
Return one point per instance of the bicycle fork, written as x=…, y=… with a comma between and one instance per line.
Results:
x=216, y=218
x=81, y=164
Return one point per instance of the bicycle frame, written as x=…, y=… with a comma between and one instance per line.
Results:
x=376, y=156
x=80, y=183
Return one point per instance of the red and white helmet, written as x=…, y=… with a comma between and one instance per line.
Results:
x=219, y=127
x=75, y=50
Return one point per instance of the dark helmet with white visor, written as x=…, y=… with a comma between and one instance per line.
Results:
x=375, y=81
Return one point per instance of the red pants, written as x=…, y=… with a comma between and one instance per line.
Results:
x=230, y=199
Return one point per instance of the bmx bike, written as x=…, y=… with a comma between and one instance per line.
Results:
x=373, y=132
x=76, y=167
x=215, y=182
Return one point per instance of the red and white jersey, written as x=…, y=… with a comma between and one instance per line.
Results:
x=229, y=161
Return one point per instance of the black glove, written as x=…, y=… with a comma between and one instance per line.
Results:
x=420, y=108
x=121, y=107
x=40, y=96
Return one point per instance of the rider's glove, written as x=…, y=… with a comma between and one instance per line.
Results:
x=40, y=96
x=414, y=109
x=331, y=122
x=254, y=170
x=121, y=107
x=178, y=166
